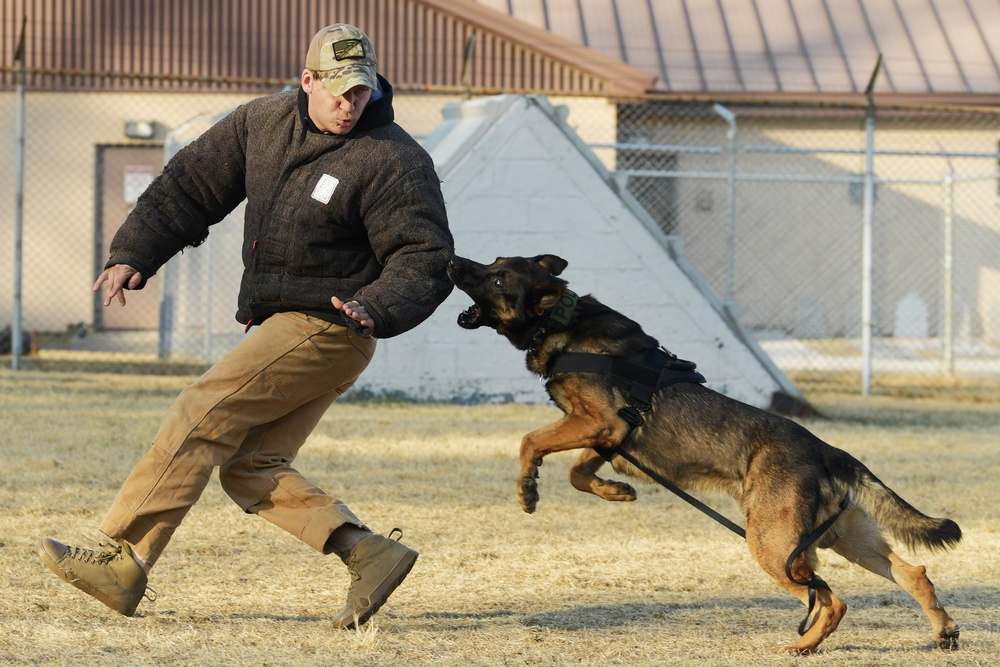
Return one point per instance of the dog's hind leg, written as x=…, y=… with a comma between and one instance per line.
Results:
x=583, y=477
x=771, y=543
x=860, y=541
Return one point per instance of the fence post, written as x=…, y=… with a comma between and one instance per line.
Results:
x=209, y=286
x=949, y=285
x=165, y=341
x=866, y=257
x=16, y=326
x=730, y=118
x=866, y=236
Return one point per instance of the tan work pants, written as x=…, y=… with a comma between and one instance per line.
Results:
x=249, y=414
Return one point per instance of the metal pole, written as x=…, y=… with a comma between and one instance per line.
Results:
x=209, y=306
x=470, y=48
x=16, y=316
x=866, y=237
x=866, y=258
x=949, y=285
x=165, y=341
x=730, y=118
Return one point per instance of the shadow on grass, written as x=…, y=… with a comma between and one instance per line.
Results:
x=477, y=616
x=604, y=617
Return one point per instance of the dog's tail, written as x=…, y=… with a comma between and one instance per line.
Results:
x=907, y=524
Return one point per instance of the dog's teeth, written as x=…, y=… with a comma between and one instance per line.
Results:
x=469, y=318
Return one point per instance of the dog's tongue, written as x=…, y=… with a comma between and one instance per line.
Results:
x=469, y=318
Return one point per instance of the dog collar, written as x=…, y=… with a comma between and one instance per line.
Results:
x=563, y=311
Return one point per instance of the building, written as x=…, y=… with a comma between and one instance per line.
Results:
x=690, y=103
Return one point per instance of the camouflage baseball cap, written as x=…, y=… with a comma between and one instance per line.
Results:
x=343, y=57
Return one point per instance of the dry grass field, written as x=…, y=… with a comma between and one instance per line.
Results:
x=581, y=582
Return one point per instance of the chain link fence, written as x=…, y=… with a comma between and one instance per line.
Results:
x=770, y=204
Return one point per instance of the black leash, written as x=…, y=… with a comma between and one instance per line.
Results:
x=608, y=454
x=815, y=581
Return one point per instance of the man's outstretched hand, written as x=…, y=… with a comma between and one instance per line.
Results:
x=119, y=278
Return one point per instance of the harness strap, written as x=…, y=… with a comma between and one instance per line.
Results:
x=640, y=374
x=652, y=367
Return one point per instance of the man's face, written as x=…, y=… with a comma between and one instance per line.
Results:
x=336, y=115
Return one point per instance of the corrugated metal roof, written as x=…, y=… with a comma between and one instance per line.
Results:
x=515, y=54
x=797, y=47
x=256, y=44
x=947, y=50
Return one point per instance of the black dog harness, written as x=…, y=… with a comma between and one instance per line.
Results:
x=639, y=376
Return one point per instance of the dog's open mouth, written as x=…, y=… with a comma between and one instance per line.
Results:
x=469, y=318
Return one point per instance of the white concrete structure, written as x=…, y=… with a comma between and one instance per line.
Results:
x=518, y=181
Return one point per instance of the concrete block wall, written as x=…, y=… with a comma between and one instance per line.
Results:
x=517, y=181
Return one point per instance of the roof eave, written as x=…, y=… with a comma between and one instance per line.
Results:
x=620, y=80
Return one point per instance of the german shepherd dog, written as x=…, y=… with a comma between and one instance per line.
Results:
x=784, y=479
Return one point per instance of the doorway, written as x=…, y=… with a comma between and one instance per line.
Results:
x=123, y=172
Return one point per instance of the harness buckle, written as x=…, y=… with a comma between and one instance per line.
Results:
x=632, y=415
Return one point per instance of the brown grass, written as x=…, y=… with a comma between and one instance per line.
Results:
x=581, y=582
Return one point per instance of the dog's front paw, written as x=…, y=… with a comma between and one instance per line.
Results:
x=615, y=491
x=527, y=490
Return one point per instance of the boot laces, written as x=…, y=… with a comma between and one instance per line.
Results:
x=94, y=556
x=100, y=557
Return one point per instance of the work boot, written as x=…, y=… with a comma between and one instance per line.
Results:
x=111, y=575
x=377, y=566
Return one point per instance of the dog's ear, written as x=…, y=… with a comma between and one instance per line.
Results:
x=551, y=263
x=545, y=298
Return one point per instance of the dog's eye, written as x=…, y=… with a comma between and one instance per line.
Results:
x=497, y=282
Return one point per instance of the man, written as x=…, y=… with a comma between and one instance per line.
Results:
x=346, y=240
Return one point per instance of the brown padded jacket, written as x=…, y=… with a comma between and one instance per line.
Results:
x=359, y=216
